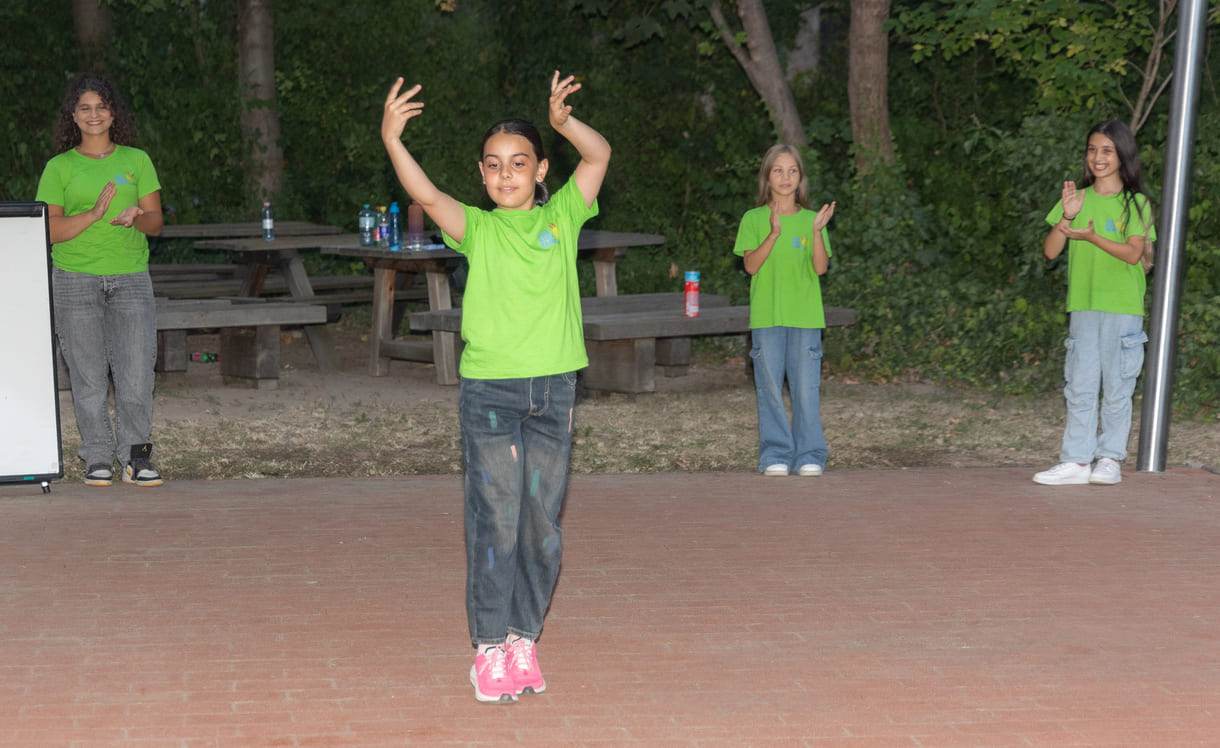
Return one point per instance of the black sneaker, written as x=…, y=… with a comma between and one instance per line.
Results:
x=99, y=475
x=140, y=470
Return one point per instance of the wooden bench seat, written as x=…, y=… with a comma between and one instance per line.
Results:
x=627, y=337
x=249, y=334
x=625, y=347
x=273, y=285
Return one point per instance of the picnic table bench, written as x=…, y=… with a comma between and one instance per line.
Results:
x=249, y=334
x=627, y=337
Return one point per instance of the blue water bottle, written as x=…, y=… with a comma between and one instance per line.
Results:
x=395, y=228
x=367, y=223
x=268, y=223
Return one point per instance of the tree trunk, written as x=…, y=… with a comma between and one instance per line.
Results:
x=260, y=121
x=761, y=63
x=91, y=19
x=867, y=68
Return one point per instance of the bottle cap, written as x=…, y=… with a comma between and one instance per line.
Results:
x=394, y=207
x=692, y=275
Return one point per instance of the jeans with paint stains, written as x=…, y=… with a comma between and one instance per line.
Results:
x=516, y=441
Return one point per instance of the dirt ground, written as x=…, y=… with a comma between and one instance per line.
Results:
x=349, y=423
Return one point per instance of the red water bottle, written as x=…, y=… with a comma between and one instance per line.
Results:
x=692, y=294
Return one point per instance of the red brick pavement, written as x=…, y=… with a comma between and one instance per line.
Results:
x=891, y=608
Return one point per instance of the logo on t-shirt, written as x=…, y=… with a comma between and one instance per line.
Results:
x=549, y=237
x=800, y=242
x=128, y=178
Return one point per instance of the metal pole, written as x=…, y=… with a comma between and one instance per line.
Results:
x=1166, y=301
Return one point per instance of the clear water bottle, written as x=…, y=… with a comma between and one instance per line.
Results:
x=368, y=224
x=383, y=228
x=268, y=223
x=395, y=228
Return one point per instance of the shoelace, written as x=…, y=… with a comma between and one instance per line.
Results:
x=497, y=662
x=521, y=655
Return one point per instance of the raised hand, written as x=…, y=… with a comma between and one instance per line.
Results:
x=128, y=216
x=1073, y=201
x=559, y=93
x=399, y=109
x=825, y=213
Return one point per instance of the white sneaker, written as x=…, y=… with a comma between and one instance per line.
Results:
x=1107, y=472
x=1064, y=474
x=811, y=469
x=778, y=470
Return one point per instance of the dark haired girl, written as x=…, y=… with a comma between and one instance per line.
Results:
x=521, y=323
x=1108, y=230
x=103, y=201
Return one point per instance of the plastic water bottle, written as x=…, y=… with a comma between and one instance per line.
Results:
x=692, y=294
x=395, y=228
x=368, y=224
x=268, y=223
x=383, y=228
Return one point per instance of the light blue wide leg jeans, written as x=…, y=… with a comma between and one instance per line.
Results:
x=1105, y=353
x=795, y=354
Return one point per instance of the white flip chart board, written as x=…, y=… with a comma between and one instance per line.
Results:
x=30, y=447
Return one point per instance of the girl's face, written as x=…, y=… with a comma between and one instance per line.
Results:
x=785, y=176
x=511, y=170
x=1101, y=157
x=92, y=115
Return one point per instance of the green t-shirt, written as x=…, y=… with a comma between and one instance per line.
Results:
x=521, y=310
x=73, y=182
x=785, y=292
x=1097, y=280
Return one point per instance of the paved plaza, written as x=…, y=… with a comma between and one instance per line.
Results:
x=928, y=607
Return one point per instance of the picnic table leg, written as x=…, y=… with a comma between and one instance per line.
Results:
x=383, y=312
x=604, y=262
x=318, y=335
x=444, y=344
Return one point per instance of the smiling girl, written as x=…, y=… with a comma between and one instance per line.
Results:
x=521, y=323
x=103, y=202
x=1108, y=230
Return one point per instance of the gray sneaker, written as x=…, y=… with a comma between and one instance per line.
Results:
x=1106, y=472
x=140, y=470
x=99, y=475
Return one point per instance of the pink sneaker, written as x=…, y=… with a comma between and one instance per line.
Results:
x=490, y=676
x=523, y=666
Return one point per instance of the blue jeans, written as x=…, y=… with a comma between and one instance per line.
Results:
x=1105, y=353
x=516, y=442
x=796, y=354
x=107, y=329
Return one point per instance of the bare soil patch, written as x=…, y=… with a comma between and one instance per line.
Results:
x=349, y=423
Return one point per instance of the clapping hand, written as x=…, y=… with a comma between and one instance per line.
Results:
x=128, y=216
x=825, y=213
x=1073, y=201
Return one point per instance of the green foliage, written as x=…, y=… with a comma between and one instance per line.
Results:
x=1080, y=55
x=940, y=256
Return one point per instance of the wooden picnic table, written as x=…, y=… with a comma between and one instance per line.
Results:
x=257, y=256
x=243, y=230
x=604, y=248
